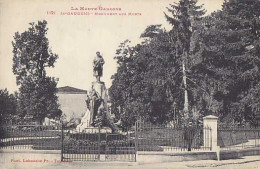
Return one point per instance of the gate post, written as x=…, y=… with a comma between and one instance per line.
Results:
x=62, y=141
x=211, y=138
x=136, y=139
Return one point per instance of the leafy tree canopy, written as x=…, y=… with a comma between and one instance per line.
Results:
x=221, y=55
x=31, y=55
x=8, y=105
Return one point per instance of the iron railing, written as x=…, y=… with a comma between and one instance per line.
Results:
x=150, y=137
x=95, y=144
x=238, y=137
x=37, y=137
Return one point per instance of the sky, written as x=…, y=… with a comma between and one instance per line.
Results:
x=76, y=38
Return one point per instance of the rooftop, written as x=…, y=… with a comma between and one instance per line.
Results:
x=71, y=90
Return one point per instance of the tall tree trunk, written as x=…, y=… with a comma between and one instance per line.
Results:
x=186, y=99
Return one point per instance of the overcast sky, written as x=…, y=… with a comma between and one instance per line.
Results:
x=77, y=38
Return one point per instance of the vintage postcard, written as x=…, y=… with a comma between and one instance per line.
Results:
x=129, y=84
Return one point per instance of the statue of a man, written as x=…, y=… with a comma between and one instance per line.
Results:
x=98, y=66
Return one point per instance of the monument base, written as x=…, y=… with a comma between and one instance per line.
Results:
x=95, y=130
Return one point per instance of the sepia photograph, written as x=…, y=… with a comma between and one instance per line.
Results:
x=116, y=84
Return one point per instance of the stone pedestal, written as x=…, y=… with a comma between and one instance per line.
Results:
x=212, y=123
x=95, y=130
x=98, y=114
x=100, y=88
x=211, y=139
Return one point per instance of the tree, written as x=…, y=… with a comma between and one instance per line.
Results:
x=143, y=85
x=229, y=55
x=8, y=104
x=184, y=16
x=214, y=60
x=241, y=27
x=31, y=56
x=121, y=90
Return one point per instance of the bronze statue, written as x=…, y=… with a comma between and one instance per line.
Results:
x=96, y=101
x=97, y=114
x=98, y=66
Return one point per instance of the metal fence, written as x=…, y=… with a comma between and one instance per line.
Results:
x=95, y=144
x=150, y=137
x=92, y=144
x=238, y=137
x=36, y=137
x=100, y=144
x=120, y=147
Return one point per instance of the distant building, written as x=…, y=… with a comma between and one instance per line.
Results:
x=72, y=102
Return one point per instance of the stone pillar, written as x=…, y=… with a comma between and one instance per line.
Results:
x=100, y=88
x=210, y=131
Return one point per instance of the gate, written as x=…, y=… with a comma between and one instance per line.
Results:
x=96, y=144
x=120, y=147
